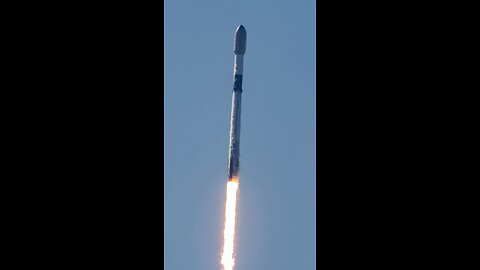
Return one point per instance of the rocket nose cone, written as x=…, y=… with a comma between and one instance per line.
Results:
x=240, y=44
x=241, y=31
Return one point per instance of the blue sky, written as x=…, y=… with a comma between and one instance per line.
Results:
x=276, y=205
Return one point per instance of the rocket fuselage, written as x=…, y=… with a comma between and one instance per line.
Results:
x=240, y=45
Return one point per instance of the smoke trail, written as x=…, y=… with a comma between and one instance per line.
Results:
x=229, y=232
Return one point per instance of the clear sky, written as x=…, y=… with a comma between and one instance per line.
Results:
x=275, y=227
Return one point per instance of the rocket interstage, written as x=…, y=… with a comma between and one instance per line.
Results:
x=240, y=46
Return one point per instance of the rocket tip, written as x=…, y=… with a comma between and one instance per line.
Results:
x=240, y=43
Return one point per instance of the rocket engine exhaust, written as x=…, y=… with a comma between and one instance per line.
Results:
x=229, y=233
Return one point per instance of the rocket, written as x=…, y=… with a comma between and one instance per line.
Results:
x=240, y=46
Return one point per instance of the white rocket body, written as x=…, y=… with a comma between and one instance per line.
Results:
x=240, y=45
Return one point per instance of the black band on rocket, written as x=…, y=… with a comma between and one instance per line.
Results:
x=237, y=83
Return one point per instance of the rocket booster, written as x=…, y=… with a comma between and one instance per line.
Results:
x=240, y=46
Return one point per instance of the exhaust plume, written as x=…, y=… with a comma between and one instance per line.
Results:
x=229, y=233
